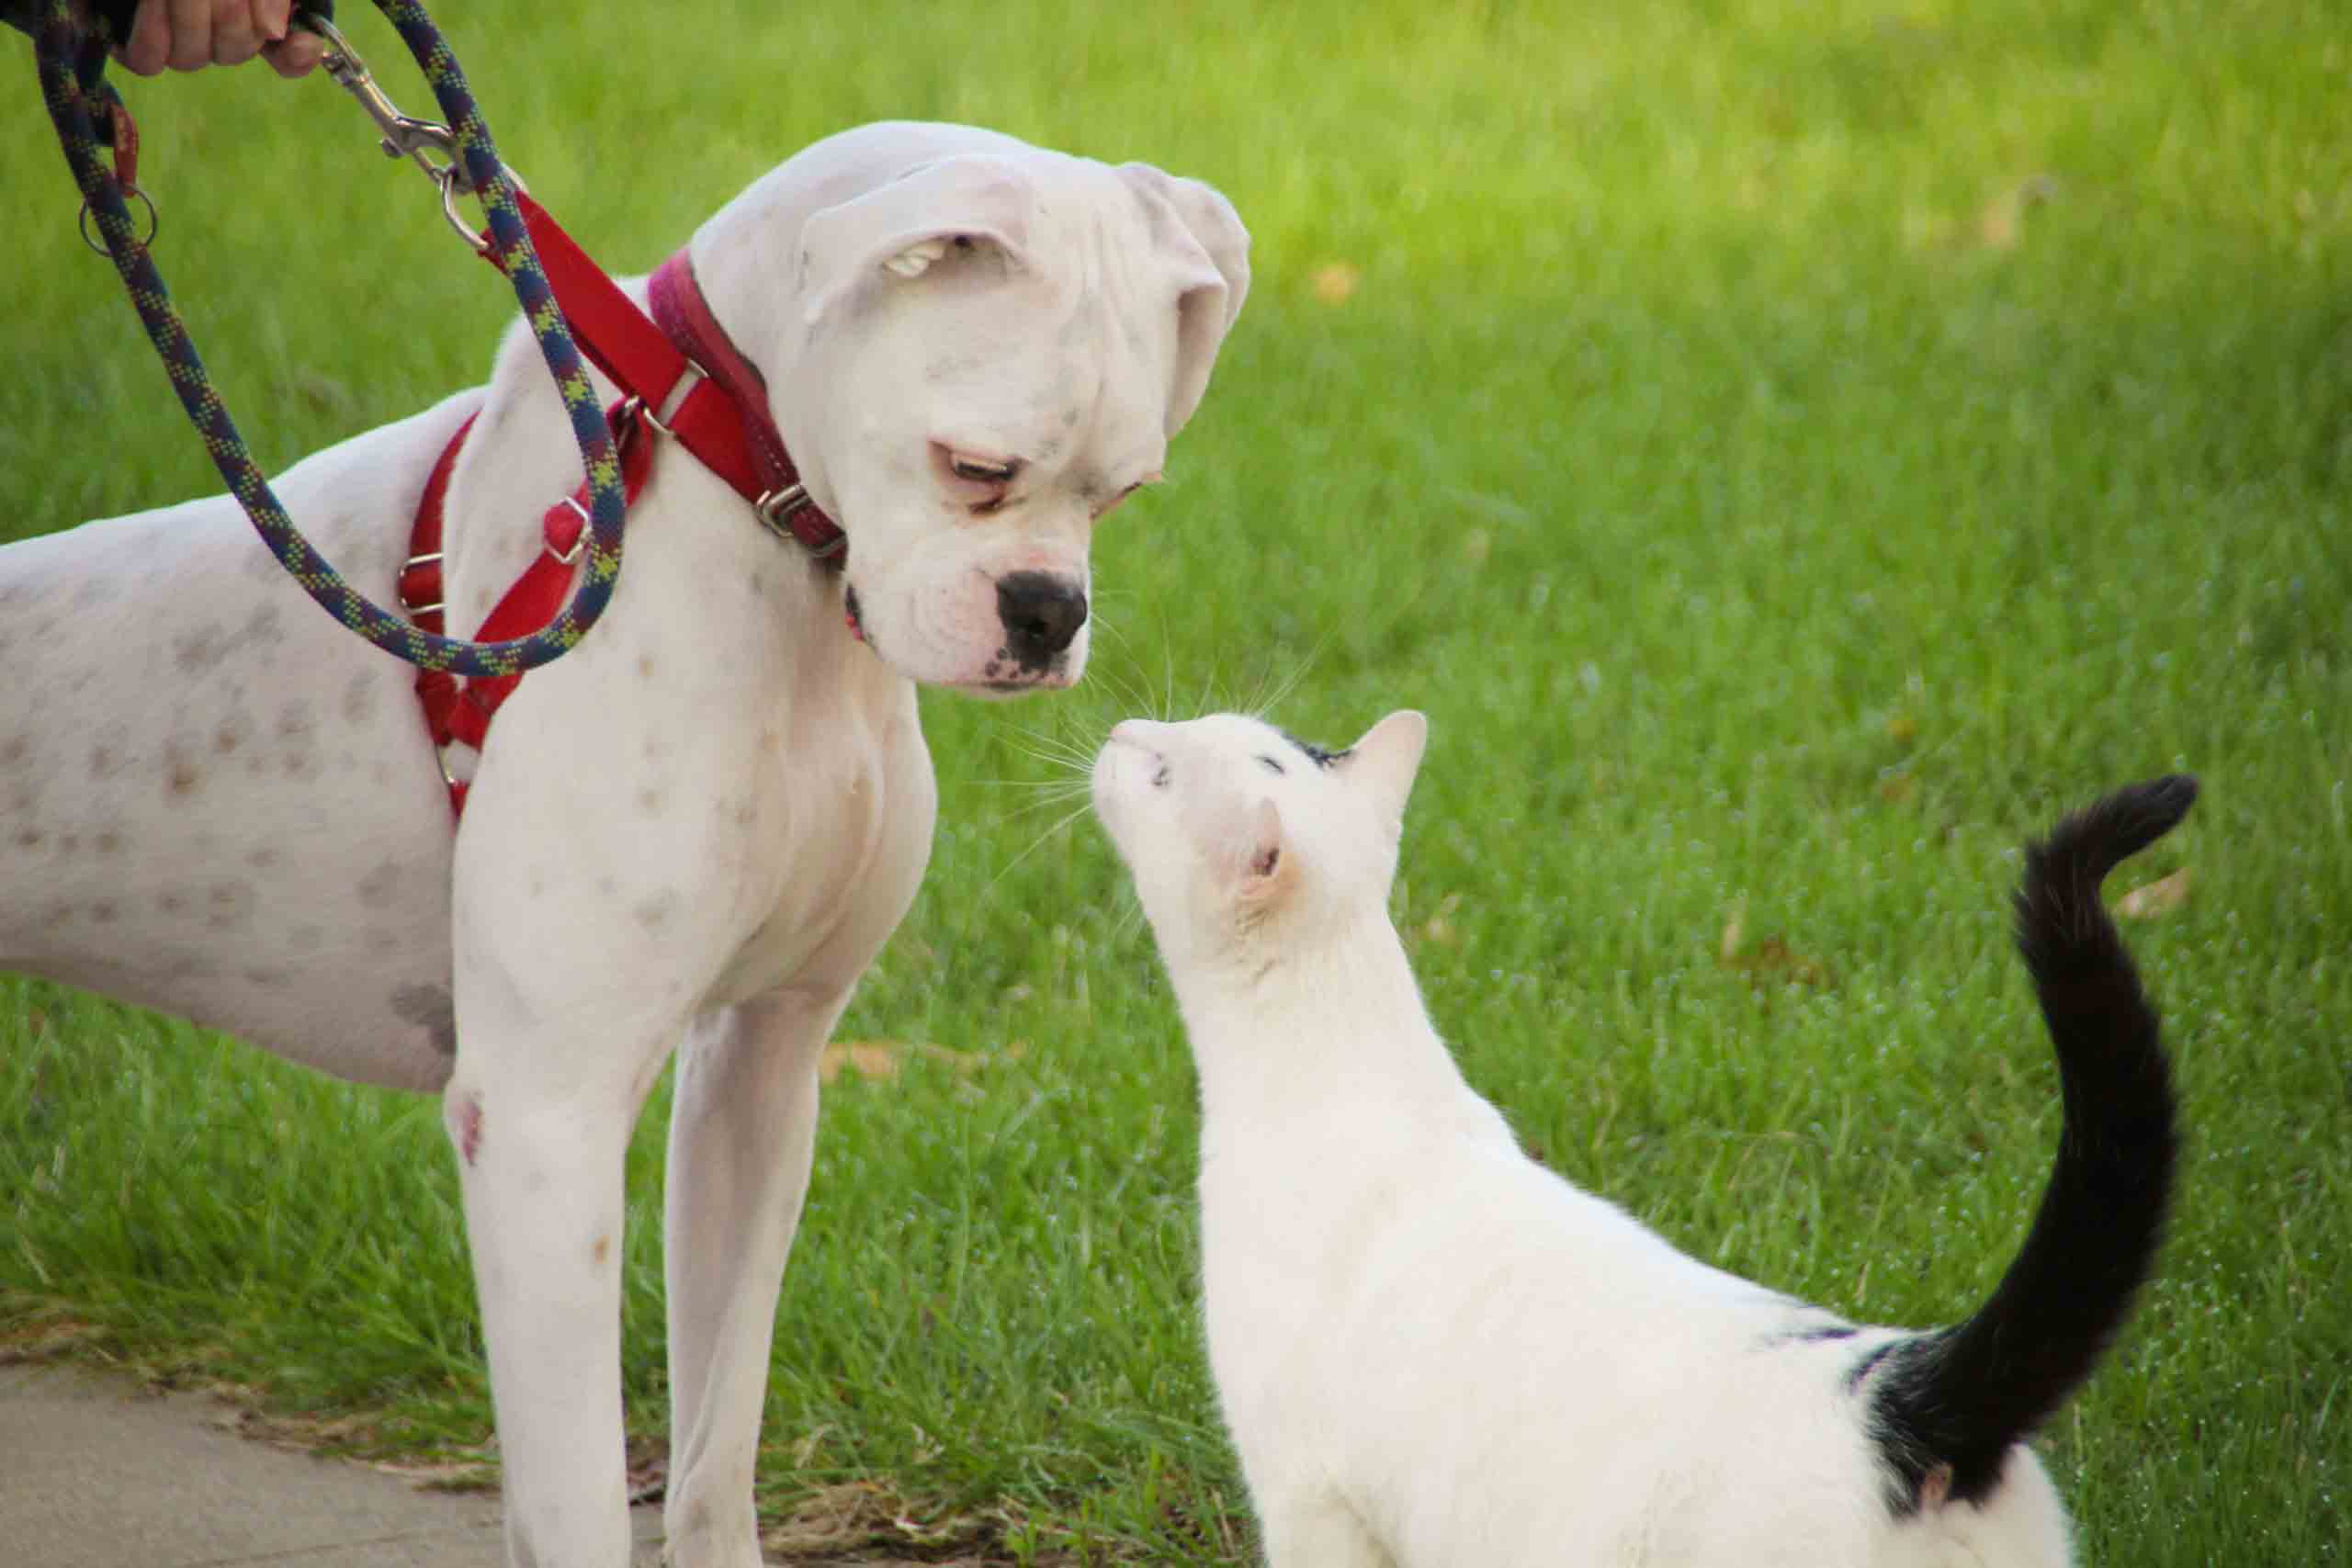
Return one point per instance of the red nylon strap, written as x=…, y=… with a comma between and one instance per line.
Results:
x=459, y=712
x=724, y=419
x=684, y=317
x=125, y=132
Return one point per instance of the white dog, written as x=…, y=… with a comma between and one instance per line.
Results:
x=698, y=825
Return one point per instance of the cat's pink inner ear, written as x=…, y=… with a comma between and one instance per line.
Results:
x=1265, y=859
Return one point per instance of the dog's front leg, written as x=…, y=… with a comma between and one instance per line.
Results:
x=540, y=1114
x=742, y=1126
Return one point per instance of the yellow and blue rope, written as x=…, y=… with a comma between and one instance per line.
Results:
x=71, y=59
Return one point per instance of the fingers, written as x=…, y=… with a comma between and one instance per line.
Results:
x=187, y=35
x=191, y=33
x=149, y=47
x=236, y=36
x=296, y=54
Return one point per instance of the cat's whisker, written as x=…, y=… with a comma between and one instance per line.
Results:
x=1289, y=683
x=1058, y=789
x=1034, y=845
x=1130, y=917
x=1049, y=747
x=1054, y=753
x=1133, y=698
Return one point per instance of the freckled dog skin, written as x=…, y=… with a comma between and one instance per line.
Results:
x=695, y=831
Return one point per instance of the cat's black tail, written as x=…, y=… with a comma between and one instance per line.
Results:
x=1946, y=1407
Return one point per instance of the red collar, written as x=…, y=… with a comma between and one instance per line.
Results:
x=688, y=377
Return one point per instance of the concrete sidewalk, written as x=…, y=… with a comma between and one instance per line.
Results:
x=96, y=1472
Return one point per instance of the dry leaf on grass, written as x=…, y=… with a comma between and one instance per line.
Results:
x=877, y=1061
x=1334, y=283
x=871, y=1060
x=1439, y=926
x=2001, y=224
x=2161, y=897
x=1770, y=961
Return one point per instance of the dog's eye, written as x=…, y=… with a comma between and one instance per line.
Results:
x=1113, y=505
x=979, y=470
x=1270, y=762
x=1159, y=779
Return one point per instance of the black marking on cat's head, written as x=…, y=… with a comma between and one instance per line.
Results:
x=1316, y=754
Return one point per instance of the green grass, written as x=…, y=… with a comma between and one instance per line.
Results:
x=1791, y=452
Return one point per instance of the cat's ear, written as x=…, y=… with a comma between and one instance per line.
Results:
x=1386, y=759
x=1263, y=868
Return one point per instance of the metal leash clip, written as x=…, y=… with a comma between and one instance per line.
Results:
x=403, y=136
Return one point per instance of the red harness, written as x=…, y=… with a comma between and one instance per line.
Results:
x=679, y=375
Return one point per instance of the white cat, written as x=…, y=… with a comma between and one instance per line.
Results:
x=1433, y=1353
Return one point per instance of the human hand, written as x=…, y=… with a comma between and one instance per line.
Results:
x=186, y=35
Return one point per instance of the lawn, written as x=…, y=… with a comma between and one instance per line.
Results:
x=1791, y=452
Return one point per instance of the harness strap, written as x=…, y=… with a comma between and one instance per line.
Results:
x=458, y=711
x=682, y=378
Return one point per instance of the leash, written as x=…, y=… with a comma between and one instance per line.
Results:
x=71, y=63
x=679, y=373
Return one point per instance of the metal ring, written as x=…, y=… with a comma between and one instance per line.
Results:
x=447, y=177
x=154, y=222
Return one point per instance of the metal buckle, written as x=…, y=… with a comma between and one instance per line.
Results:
x=778, y=505
x=430, y=558
x=565, y=558
x=773, y=508
x=693, y=375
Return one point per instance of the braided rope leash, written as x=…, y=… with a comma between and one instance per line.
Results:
x=71, y=60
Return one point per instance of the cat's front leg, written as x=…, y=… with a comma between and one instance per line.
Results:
x=1314, y=1528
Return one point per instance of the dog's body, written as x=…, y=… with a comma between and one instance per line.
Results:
x=702, y=823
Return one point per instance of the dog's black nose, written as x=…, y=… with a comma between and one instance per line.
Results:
x=1041, y=613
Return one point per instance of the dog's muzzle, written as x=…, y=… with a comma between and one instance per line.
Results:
x=1042, y=613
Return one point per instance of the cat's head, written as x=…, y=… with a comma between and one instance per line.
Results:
x=1231, y=826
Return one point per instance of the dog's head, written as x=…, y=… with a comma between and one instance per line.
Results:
x=992, y=350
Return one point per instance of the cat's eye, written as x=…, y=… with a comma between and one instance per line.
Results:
x=1277, y=767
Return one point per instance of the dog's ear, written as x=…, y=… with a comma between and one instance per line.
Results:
x=1201, y=239
x=898, y=229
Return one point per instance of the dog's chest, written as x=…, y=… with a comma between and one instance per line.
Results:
x=832, y=842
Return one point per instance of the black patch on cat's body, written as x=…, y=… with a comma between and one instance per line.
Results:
x=1950, y=1405
x=1811, y=1326
x=1314, y=754
x=1869, y=1363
